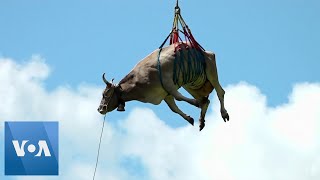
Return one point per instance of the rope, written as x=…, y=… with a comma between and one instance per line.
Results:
x=189, y=66
x=95, y=169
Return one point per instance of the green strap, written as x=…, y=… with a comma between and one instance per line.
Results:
x=189, y=66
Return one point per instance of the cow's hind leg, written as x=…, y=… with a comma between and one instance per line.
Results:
x=204, y=102
x=212, y=75
x=172, y=105
x=204, y=108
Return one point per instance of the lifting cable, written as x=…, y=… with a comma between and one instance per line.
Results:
x=97, y=160
x=194, y=57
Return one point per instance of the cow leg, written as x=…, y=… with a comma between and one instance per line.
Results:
x=179, y=97
x=204, y=109
x=204, y=101
x=212, y=75
x=172, y=105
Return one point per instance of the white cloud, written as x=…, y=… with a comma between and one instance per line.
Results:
x=259, y=142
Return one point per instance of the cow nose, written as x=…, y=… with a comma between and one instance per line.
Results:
x=101, y=109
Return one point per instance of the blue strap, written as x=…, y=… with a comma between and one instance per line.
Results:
x=159, y=68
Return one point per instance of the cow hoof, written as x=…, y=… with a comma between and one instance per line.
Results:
x=190, y=120
x=225, y=116
x=201, y=126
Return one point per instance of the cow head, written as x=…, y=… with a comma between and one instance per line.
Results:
x=110, y=97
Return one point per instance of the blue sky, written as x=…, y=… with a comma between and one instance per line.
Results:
x=271, y=44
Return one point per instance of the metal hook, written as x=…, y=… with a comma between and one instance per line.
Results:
x=177, y=8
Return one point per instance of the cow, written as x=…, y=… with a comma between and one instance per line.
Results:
x=146, y=84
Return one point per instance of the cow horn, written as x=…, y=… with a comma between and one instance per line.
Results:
x=104, y=79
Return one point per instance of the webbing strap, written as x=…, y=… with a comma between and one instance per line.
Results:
x=190, y=65
x=159, y=68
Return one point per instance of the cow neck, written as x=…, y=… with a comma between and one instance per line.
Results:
x=123, y=93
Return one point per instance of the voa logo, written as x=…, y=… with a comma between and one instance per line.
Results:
x=43, y=147
x=31, y=148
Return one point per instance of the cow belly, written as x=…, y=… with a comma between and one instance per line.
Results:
x=198, y=83
x=153, y=98
x=153, y=95
x=203, y=91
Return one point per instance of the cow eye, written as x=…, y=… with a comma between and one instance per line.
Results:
x=106, y=94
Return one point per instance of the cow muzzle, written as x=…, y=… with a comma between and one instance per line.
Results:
x=102, y=109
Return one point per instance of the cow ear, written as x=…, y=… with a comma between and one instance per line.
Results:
x=109, y=85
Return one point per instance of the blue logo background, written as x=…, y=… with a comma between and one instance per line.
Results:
x=30, y=164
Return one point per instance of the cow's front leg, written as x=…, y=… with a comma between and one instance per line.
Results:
x=172, y=105
x=179, y=97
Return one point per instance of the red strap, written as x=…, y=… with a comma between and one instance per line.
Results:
x=174, y=38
